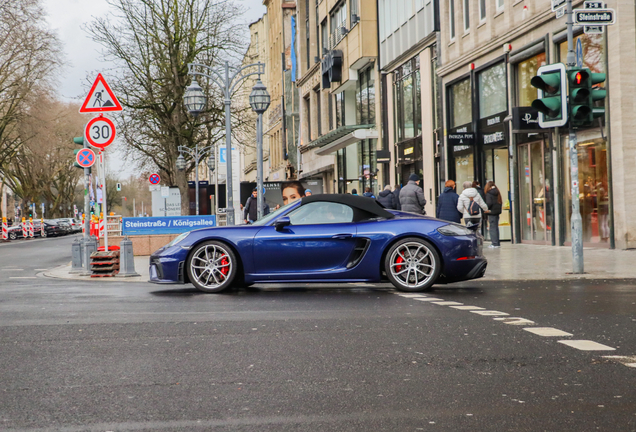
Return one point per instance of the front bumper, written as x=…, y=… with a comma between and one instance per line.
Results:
x=166, y=270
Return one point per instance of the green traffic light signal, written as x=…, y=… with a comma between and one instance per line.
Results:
x=550, y=102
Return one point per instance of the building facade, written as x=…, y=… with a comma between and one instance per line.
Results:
x=491, y=50
x=338, y=76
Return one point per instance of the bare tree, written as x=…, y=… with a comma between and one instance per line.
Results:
x=29, y=56
x=151, y=42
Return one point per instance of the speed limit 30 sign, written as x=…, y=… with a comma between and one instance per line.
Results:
x=100, y=132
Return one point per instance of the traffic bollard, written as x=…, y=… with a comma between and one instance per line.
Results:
x=126, y=259
x=90, y=246
x=76, y=257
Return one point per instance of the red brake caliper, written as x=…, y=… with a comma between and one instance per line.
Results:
x=226, y=269
x=398, y=261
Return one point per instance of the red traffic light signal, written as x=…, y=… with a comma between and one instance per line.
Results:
x=578, y=78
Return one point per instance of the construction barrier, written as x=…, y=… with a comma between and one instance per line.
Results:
x=83, y=226
x=31, y=231
x=5, y=229
x=105, y=263
x=101, y=225
x=42, y=230
x=25, y=230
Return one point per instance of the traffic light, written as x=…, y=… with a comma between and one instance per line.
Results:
x=118, y=187
x=583, y=96
x=551, y=103
x=78, y=141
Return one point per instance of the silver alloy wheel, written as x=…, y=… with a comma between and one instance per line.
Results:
x=412, y=265
x=211, y=265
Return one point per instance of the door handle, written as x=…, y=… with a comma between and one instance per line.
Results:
x=342, y=236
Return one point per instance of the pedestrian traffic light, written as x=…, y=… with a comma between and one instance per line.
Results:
x=583, y=95
x=551, y=103
x=78, y=141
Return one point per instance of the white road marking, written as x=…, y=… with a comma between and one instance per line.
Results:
x=411, y=295
x=12, y=269
x=488, y=313
x=586, y=345
x=22, y=277
x=468, y=307
x=40, y=269
x=447, y=303
x=547, y=331
x=515, y=321
x=629, y=361
x=427, y=299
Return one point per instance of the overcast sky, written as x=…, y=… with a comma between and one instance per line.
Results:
x=67, y=18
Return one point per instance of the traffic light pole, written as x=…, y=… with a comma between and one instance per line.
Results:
x=576, y=222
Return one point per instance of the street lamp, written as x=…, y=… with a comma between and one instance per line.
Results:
x=259, y=100
x=227, y=84
x=197, y=155
x=211, y=162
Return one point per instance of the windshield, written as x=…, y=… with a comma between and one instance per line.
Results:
x=270, y=217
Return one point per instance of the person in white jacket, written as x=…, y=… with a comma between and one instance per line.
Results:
x=468, y=195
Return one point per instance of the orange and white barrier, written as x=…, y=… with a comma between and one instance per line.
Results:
x=42, y=227
x=101, y=225
x=5, y=229
x=25, y=231
x=83, y=226
x=31, y=232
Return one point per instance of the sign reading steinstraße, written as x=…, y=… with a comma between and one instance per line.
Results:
x=594, y=17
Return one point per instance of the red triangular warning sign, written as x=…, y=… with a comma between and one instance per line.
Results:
x=100, y=98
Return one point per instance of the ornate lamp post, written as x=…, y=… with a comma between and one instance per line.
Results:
x=259, y=100
x=195, y=100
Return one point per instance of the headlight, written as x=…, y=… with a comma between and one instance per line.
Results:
x=178, y=238
x=454, y=230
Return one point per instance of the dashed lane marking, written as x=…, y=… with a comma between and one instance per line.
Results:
x=515, y=321
x=12, y=269
x=411, y=295
x=428, y=299
x=468, y=307
x=586, y=345
x=629, y=361
x=488, y=313
x=447, y=303
x=547, y=331
x=22, y=277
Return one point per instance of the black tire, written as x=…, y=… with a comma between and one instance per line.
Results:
x=44, y=234
x=206, y=266
x=422, y=261
x=13, y=236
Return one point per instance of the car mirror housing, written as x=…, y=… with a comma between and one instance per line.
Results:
x=282, y=223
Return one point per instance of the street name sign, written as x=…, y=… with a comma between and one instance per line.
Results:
x=154, y=179
x=594, y=17
x=558, y=4
x=85, y=158
x=100, y=132
x=100, y=98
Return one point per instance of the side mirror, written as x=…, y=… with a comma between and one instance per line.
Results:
x=282, y=223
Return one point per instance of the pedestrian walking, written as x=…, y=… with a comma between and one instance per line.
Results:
x=250, y=210
x=387, y=199
x=412, y=197
x=354, y=191
x=470, y=203
x=367, y=193
x=308, y=192
x=493, y=201
x=396, y=194
x=447, y=204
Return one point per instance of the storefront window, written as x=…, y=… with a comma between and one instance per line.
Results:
x=493, y=95
x=460, y=101
x=525, y=71
x=340, y=111
x=365, y=98
x=407, y=100
x=593, y=189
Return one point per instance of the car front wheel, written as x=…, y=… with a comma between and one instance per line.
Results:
x=13, y=236
x=412, y=265
x=212, y=267
x=44, y=234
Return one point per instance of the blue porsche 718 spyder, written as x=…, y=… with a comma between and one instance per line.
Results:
x=324, y=238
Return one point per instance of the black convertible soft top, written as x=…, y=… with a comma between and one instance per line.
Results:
x=364, y=204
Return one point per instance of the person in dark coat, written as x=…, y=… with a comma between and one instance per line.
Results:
x=493, y=201
x=412, y=197
x=447, y=204
x=387, y=199
x=396, y=194
x=367, y=193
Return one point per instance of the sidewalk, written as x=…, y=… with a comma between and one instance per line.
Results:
x=510, y=262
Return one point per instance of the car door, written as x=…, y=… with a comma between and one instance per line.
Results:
x=320, y=238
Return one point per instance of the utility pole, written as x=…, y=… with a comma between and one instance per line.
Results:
x=576, y=222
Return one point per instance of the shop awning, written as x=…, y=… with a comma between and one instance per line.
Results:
x=340, y=138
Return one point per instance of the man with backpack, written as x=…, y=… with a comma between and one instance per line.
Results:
x=470, y=204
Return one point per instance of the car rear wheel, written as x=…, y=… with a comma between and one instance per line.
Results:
x=412, y=265
x=212, y=267
x=44, y=234
x=13, y=236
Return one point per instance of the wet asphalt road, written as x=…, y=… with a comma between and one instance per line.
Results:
x=100, y=356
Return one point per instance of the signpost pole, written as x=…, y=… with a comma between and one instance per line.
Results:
x=103, y=161
x=576, y=222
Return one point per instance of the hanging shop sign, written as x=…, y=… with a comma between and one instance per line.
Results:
x=331, y=68
x=525, y=120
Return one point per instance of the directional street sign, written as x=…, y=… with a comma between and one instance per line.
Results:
x=560, y=13
x=85, y=158
x=100, y=98
x=593, y=5
x=593, y=29
x=594, y=17
x=154, y=179
x=100, y=132
x=579, y=53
